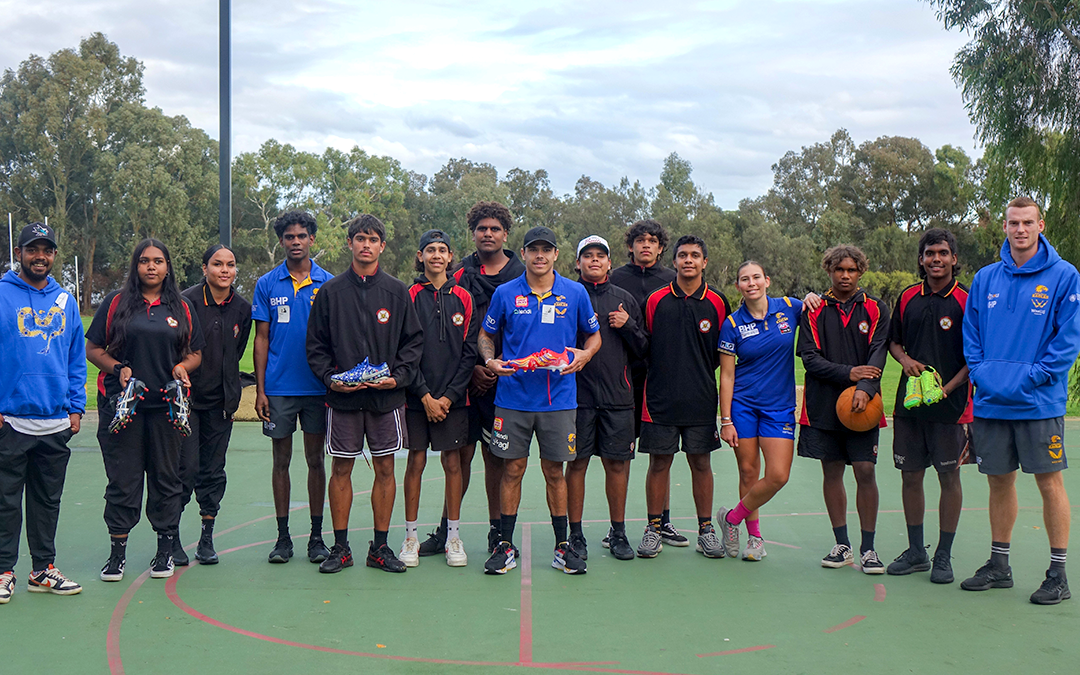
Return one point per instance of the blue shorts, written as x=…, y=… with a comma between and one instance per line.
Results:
x=751, y=423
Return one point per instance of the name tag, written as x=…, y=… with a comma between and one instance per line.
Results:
x=283, y=314
x=548, y=315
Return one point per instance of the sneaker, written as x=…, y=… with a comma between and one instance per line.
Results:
x=384, y=559
x=340, y=557
x=942, y=570
x=50, y=580
x=840, y=555
x=494, y=538
x=930, y=381
x=988, y=576
x=502, y=560
x=434, y=544
x=7, y=587
x=114, y=568
x=580, y=546
x=913, y=396
x=619, y=546
x=871, y=563
x=316, y=549
x=709, y=544
x=179, y=555
x=179, y=406
x=283, y=550
x=672, y=536
x=1054, y=589
x=568, y=559
x=410, y=552
x=729, y=534
x=161, y=566
x=126, y=402
x=911, y=560
x=205, y=552
x=455, y=553
x=755, y=549
x=606, y=541
x=363, y=372
x=651, y=544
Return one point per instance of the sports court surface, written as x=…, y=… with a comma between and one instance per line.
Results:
x=678, y=613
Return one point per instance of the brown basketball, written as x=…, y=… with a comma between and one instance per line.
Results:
x=864, y=421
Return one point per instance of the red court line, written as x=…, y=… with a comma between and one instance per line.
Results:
x=776, y=543
x=737, y=651
x=879, y=592
x=112, y=638
x=847, y=624
x=525, y=646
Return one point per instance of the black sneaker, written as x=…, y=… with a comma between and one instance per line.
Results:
x=435, y=544
x=383, y=558
x=568, y=560
x=494, y=538
x=669, y=535
x=339, y=558
x=942, y=571
x=114, y=568
x=161, y=567
x=1054, y=589
x=179, y=555
x=502, y=560
x=283, y=550
x=988, y=576
x=316, y=549
x=580, y=546
x=619, y=546
x=911, y=560
x=205, y=552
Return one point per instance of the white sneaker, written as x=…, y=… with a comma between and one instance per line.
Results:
x=7, y=587
x=50, y=580
x=455, y=553
x=410, y=552
x=755, y=549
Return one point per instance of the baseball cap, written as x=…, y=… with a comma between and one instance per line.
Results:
x=432, y=236
x=35, y=231
x=593, y=240
x=539, y=234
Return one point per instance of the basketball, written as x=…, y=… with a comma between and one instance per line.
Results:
x=864, y=421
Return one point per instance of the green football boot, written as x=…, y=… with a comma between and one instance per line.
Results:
x=930, y=382
x=913, y=398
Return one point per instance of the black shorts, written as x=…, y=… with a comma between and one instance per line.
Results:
x=285, y=409
x=838, y=446
x=605, y=433
x=1036, y=446
x=661, y=439
x=450, y=434
x=919, y=444
x=346, y=430
x=481, y=417
x=513, y=431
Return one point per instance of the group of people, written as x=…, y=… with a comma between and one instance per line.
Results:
x=498, y=349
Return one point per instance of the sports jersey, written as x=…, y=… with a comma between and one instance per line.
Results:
x=529, y=323
x=929, y=326
x=833, y=339
x=680, y=388
x=765, y=349
x=286, y=306
x=226, y=327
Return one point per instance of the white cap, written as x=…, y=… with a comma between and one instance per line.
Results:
x=593, y=240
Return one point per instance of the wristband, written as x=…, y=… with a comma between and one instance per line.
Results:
x=726, y=424
x=725, y=419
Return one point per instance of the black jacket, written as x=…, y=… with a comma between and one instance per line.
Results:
x=225, y=327
x=450, y=330
x=353, y=318
x=640, y=281
x=604, y=382
x=471, y=277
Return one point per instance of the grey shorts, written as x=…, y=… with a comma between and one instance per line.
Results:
x=920, y=444
x=450, y=434
x=556, y=434
x=285, y=409
x=1036, y=446
x=347, y=429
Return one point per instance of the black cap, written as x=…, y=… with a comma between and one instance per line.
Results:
x=434, y=235
x=539, y=234
x=35, y=231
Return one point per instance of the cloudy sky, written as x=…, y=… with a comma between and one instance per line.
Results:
x=598, y=88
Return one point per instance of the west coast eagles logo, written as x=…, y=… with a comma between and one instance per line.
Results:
x=171, y=321
x=457, y=319
x=1039, y=300
x=571, y=443
x=704, y=325
x=1055, y=445
x=864, y=327
x=43, y=324
x=945, y=323
x=383, y=315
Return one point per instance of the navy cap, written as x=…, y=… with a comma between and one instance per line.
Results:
x=539, y=234
x=35, y=231
x=433, y=236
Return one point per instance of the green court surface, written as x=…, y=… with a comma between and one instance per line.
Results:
x=677, y=613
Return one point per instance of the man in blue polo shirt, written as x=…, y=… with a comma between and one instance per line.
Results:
x=286, y=388
x=539, y=310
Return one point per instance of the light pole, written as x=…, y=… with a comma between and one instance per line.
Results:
x=225, y=113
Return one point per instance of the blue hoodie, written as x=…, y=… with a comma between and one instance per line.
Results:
x=44, y=353
x=1022, y=335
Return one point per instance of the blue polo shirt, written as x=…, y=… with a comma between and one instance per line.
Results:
x=531, y=322
x=286, y=305
x=765, y=349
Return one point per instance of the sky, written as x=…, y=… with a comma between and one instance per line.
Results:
x=601, y=88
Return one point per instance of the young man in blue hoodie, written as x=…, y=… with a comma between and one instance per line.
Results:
x=42, y=399
x=1021, y=336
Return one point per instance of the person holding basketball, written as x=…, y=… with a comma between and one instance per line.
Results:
x=843, y=343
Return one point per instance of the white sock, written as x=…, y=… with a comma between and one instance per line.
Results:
x=410, y=529
x=452, y=529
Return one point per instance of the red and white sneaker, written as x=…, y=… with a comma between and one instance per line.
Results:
x=7, y=587
x=544, y=359
x=50, y=580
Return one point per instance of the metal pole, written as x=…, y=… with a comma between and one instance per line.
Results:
x=77, y=303
x=225, y=114
x=11, y=244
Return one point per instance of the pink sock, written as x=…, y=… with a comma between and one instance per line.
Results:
x=737, y=514
x=753, y=528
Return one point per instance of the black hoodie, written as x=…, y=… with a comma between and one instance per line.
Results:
x=216, y=383
x=471, y=277
x=641, y=281
x=450, y=327
x=604, y=382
